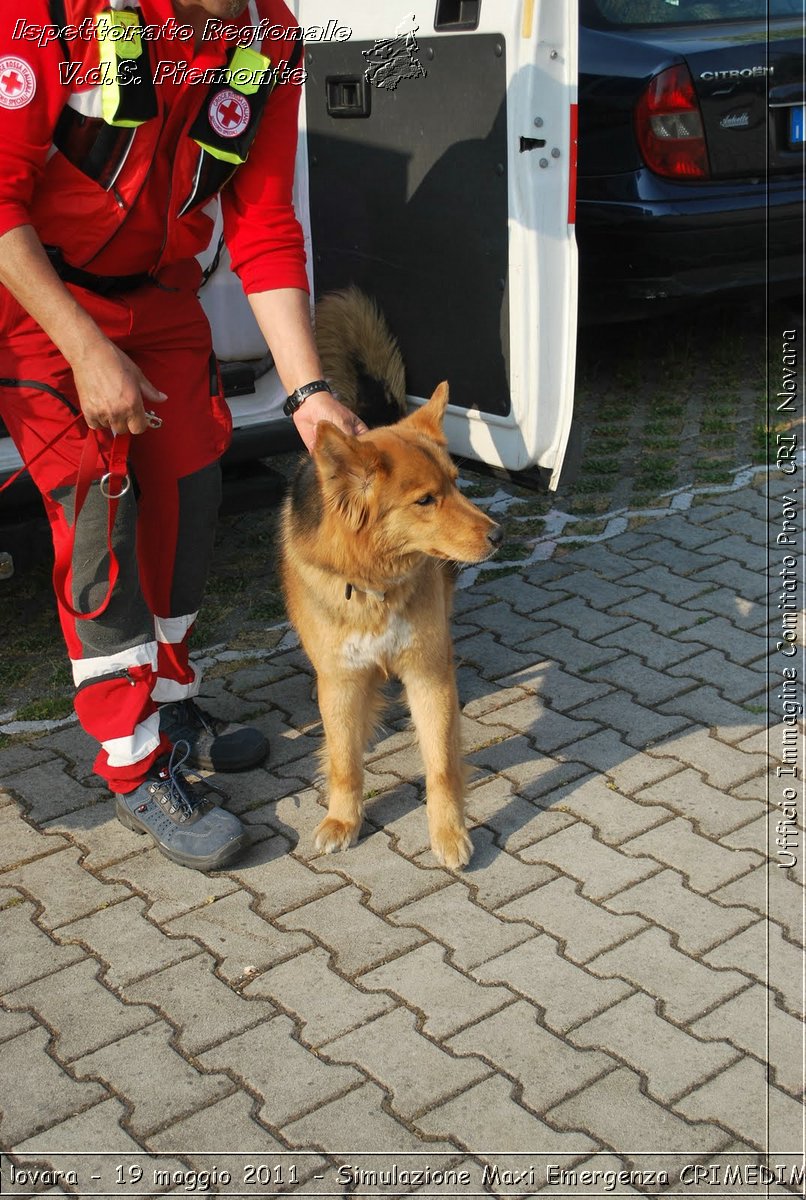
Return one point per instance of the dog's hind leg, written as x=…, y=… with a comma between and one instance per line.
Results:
x=348, y=703
x=435, y=711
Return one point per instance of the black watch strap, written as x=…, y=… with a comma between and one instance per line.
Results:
x=297, y=397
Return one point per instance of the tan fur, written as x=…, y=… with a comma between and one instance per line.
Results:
x=352, y=336
x=359, y=523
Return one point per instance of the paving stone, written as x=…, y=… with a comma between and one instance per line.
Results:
x=722, y=766
x=655, y=648
x=732, y=681
x=629, y=769
x=532, y=774
x=295, y=817
x=288, y=1079
x=583, y=929
x=665, y=901
x=762, y=952
x=63, y=888
x=357, y=937
x=687, y=562
x=14, y=1023
x=513, y=820
x=18, y=757
x=237, y=937
x=777, y=894
x=254, y=789
x=131, y=1067
x=323, y=1002
x=488, y=1115
x=486, y=697
x=735, y=578
x=645, y=684
x=601, y=871
x=666, y=618
x=201, y=1008
x=740, y=645
x=495, y=876
x=279, y=881
x=566, y=993
x=356, y=1121
x=615, y=1104
x=599, y=591
x=128, y=944
x=742, y=1101
x=446, y=999
x=705, y=706
x=585, y=621
x=705, y=864
x=685, y=987
x=741, y=549
x=417, y=1072
x=48, y=790
x=613, y=817
x=387, y=878
x=549, y=1068
x=598, y=557
x=49, y=1095
x=708, y=808
x=671, y=586
x=526, y=595
x=28, y=954
x=96, y=1126
x=672, y=1060
x=574, y=653
x=491, y=658
x=508, y=626
x=230, y=1126
x=545, y=729
x=556, y=687
x=169, y=890
x=400, y=813
x=685, y=532
x=99, y=834
x=19, y=841
x=640, y=726
x=59, y=999
x=469, y=932
x=753, y=1022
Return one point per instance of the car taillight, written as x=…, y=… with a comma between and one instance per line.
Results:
x=669, y=126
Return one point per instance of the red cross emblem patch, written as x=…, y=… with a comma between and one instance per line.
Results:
x=229, y=113
x=17, y=82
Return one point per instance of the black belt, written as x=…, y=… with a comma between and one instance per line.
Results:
x=103, y=285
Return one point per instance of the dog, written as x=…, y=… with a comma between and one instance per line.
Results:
x=360, y=357
x=371, y=532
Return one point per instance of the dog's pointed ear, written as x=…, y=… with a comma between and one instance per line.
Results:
x=348, y=468
x=429, y=418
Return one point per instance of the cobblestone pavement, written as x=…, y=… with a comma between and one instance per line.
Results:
x=614, y=984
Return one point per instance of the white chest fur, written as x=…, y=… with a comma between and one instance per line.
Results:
x=361, y=650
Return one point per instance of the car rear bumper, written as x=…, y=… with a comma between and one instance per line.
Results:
x=644, y=253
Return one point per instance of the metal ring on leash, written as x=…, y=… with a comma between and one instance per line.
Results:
x=125, y=485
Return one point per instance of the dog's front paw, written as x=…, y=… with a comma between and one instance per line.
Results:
x=332, y=835
x=452, y=847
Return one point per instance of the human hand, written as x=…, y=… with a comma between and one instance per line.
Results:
x=321, y=406
x=112, y=390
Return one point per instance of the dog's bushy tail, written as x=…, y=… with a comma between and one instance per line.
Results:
x=360, y=357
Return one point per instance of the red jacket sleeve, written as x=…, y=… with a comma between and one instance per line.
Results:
x=32, y=94
x=263, y=235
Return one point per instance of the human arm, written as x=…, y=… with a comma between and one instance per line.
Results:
x=110, y=388
x=283, y=315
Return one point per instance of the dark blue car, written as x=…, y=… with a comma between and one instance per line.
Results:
x=691, y=140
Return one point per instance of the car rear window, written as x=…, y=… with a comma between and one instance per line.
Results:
x=629, y=13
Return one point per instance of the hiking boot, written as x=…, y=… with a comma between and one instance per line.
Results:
x=186, y=825
x=215, y=745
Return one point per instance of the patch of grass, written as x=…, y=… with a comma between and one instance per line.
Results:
x=51, y=708
x=270, y=608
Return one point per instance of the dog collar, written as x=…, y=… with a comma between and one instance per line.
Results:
x=349, y=588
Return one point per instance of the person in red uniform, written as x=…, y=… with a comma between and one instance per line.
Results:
x=122, y=122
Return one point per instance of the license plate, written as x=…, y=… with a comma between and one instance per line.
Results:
x=797, y=119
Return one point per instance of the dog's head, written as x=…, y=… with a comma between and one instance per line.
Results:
x=395, y=490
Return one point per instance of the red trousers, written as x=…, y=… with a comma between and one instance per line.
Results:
x=135, y=654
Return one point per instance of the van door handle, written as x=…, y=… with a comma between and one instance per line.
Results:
x=348, y=96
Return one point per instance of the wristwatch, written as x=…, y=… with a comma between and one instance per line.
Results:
x=299, y=396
